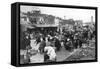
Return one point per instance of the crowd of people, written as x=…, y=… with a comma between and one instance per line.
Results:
x=49, y=43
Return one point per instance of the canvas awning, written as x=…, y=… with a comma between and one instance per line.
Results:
x=46, y=25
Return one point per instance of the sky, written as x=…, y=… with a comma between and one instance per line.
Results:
x=67, y=13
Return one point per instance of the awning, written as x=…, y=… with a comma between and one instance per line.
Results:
x=46, y=25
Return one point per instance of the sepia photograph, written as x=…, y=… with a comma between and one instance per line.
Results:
x=56, y=34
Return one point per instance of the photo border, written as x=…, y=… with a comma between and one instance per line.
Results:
x=59, y=6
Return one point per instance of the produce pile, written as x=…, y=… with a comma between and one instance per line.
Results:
x=87, y=52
